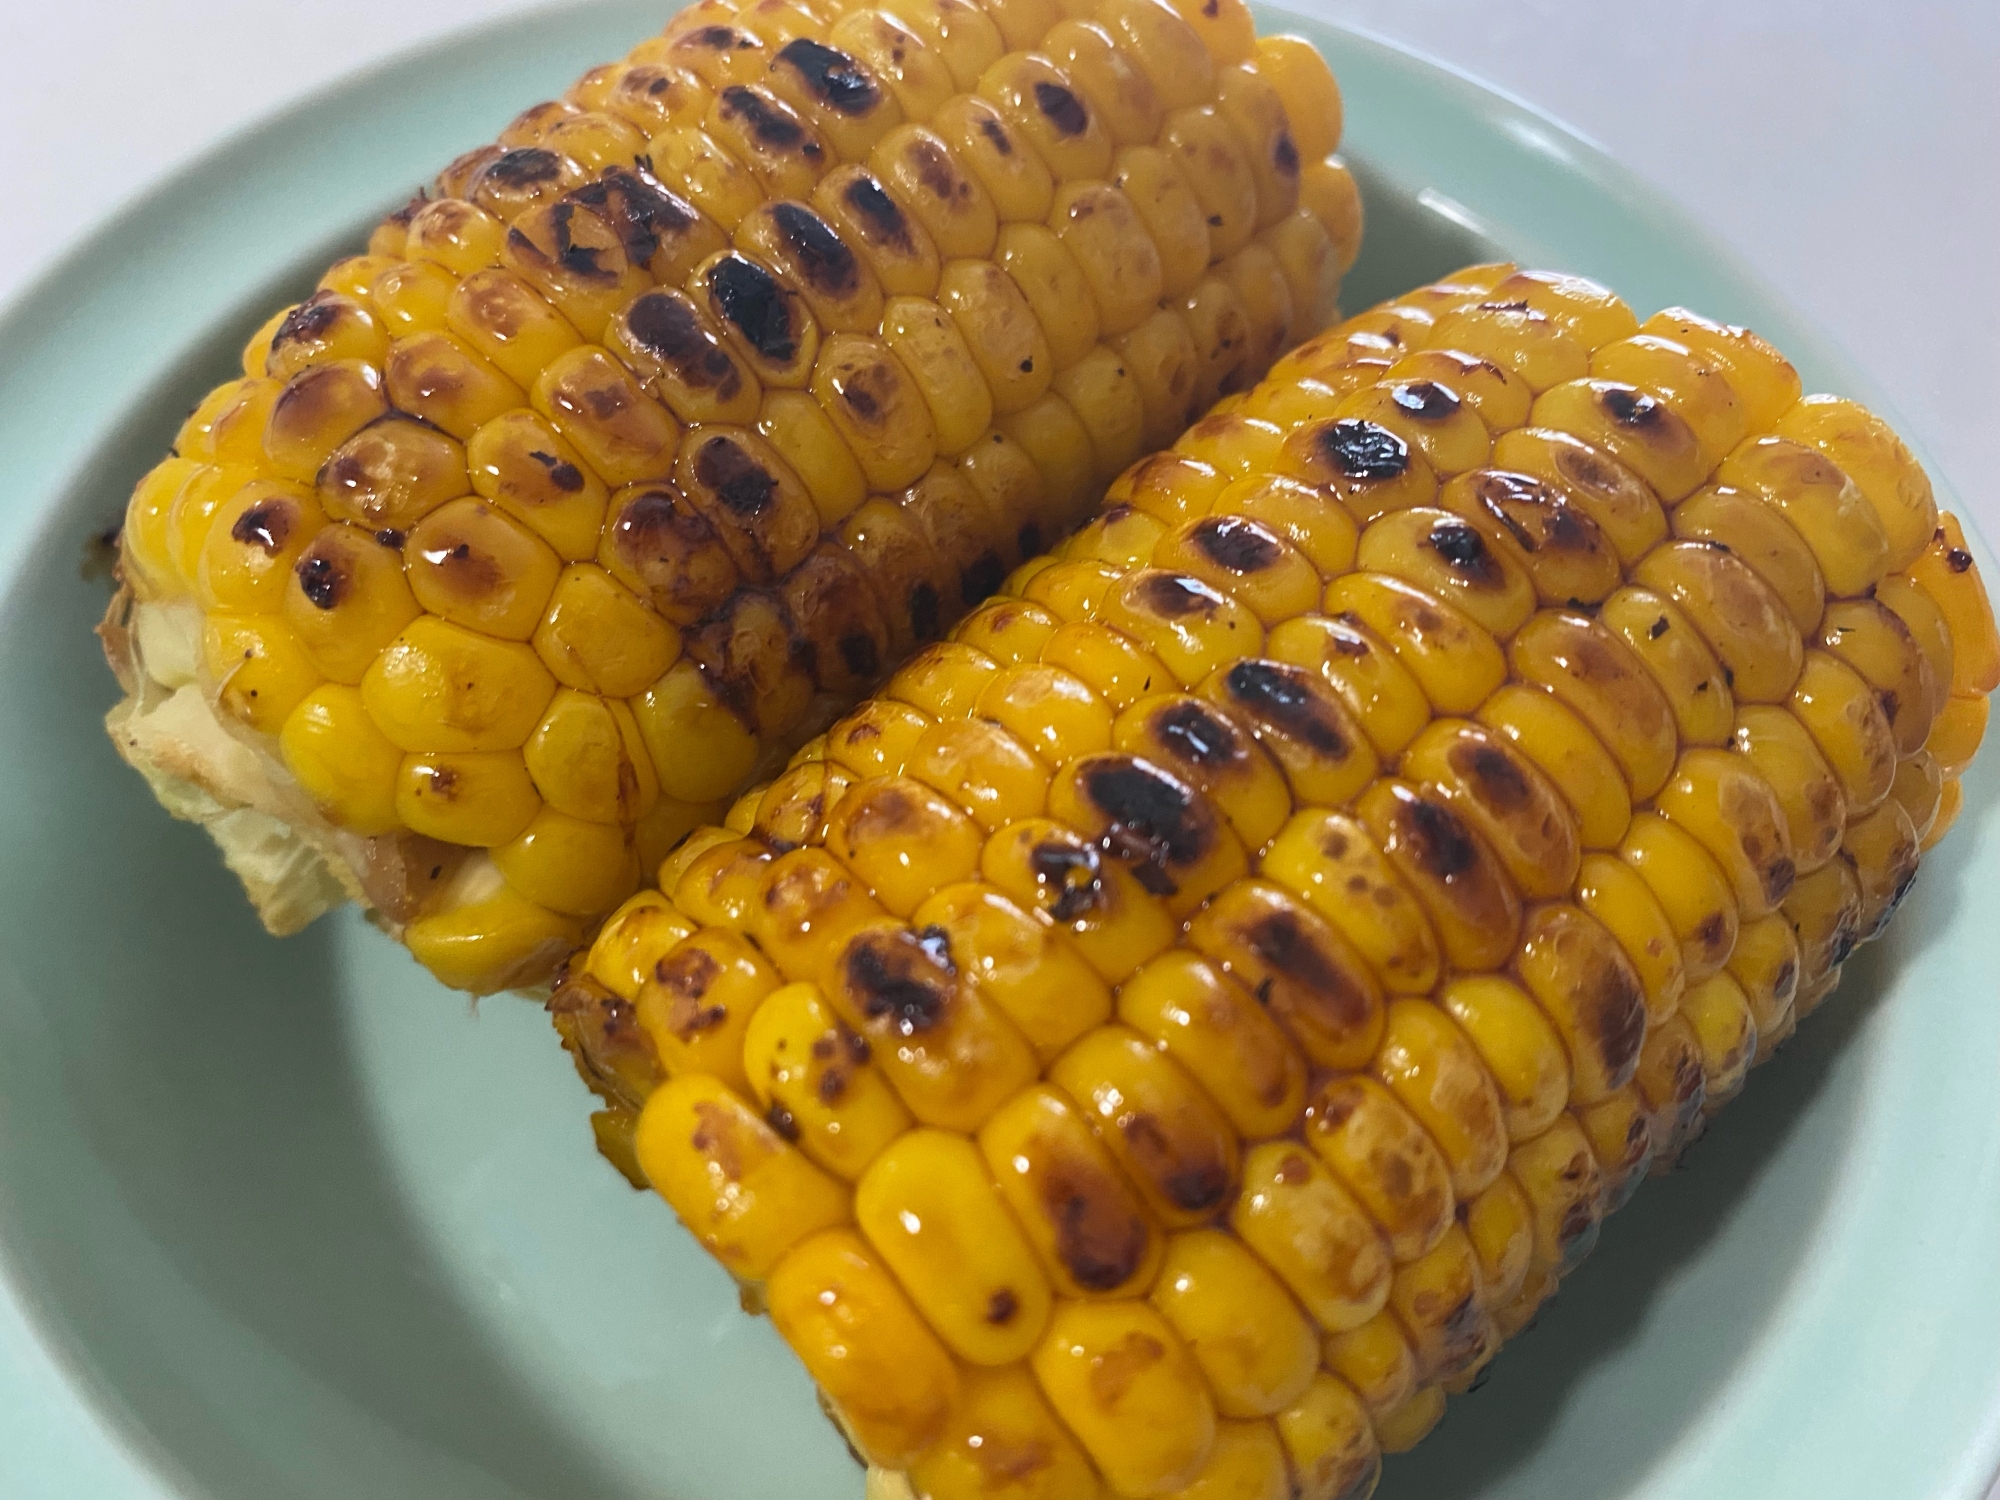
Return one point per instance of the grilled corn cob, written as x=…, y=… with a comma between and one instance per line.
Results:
x=660, y=428
x=1171, y=1037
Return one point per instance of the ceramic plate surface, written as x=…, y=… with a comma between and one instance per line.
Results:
x=297, y=1223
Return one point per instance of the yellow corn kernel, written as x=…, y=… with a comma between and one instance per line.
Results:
x=1726, y=1032
x=1558, y=1173
x=1882, y=850
x=887, y=1375
x=1438, y=1074
x=1451, y=656
x=1872, y=639
x=341, y=760
x=432, y=375
x=595, y=636
x=1499, y=1224
x=1766, y=965
x=1671, y=1082
x=1401, y=1430
x=1744, y=623
x=817, y=1083
x=569, y=865
x=439, y=686
x=803, y=909
x=1330, y=1442
x=1763, y=380
x=253, y=543
x=1130, y=1392
x=1384, y=1157
x=492, y=943
x=928, y=1208
x=633, y=939
x=1732, y=812
x=700, y=749
x=1946, y=571
x=346, y=600
x=1622, y=504
x=1159, y=1125
x=1050, y=711
x=747, y=1195
x=1928, y=627
x=1660, y=634
x=1028, y=969
x=1619, y=1129
x=471, y=565
x=1596, y=676
x=1504, y=797
x=718, y=881
x=1213, y=1028
x=1211, y=752
x=1002, y=1439
x=227, y=427
x=456, y=235
x=1918, y=789
x=1783, y=752
x=257, y=669
x=1759, y=534
x=1847, y=723
x=410, y=296
x=1581, y=978
x=1256, y=1350
x=1886, y=472
x=480, y=798
x=1617, y=896
x=1569, y=754
x=1331, y=861
x=901, y=839
x=1839, y=526
x=1456, y=879
x=593, y=401
x=1522, y=1052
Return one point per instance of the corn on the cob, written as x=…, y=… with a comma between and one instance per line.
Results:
x=663, y=426
x=1222, y=990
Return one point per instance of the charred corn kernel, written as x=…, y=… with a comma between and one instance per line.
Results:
x=1170, y=836
x=1620, y=502
x=1581, y=978
x=1847, y=723
x=699, y=1001
x=1449, y=557
x=1726, y=1033
x=1436, y=1298
x=1569, y=754
x=1732, y=812
x=1506, y=800
x=1438, y=1074
x=1693, y=389
x=258, y=670
x=1744, y=623
x=1671, y=1082
x=1159, y=1125
x=1386, y=1159
x=459, y=236
x=1561, y=548
x=747, y=1195
x=346, y=600
x=886, y=1373
x=1928, y=627
x=1460, y=884
x=1255, y=1349
x=700, y=749
x=1595, y=675
x=633, y=939
x=1945, y=570
x=718, y=881
x=950, y=1054
x=1130, y=1392
x=1202, y=1019
x=1332, y=862
x=1246, y=559
x=318, y=410
x=1520, y=1049
x=570, y=865
x=1002, y=1437
x=527, y=469
x=254, y=542
x=472, y=566
x=808, y=907
x=1208, y=750
x=1620, y=1133
x=480, y=798
x=1299, y=1219
x=326, y=326
x=927, y=1207
x=1302, y=723
x=341, y=760
x=1825, y=911
x=1499, y=1225
x=1401, y=1430
x=1696, y=685
x=1028, y=969
x=498, y=940
x=817, y=1083
x=1618, y=896
x=901, y=839
x=1088, y=1225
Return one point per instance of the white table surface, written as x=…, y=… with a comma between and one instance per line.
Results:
x=1846, y=149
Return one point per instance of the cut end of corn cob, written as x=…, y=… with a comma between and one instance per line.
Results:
x=661, y=428
x=1167, y=1041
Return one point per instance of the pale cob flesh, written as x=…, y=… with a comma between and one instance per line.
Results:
x=658, y=430
x=1169, y=1039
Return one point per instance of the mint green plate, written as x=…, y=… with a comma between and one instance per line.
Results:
x=296, y=1223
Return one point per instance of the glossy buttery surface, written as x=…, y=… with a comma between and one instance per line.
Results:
x=297, y=1224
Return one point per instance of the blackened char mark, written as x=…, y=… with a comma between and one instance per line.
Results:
x=1363, y=450
x=639, y=208
x=266, y=525
x=897, y=981
x=1236, y=543
x=750, y=299
x=1156, y=824
x=524, y=167
x=324, y=579
x=771, y=127
x=1072, y=873
x=1466, y=552
x=1631, y=408
x=832, y=77
x=1282, y=696
x=824, y=260
x=879, y=214
x=1425, y=400
x=1198, y=734
x=1439, y=841
x=738, y=480
x=667, y=328
x=1061, y=108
